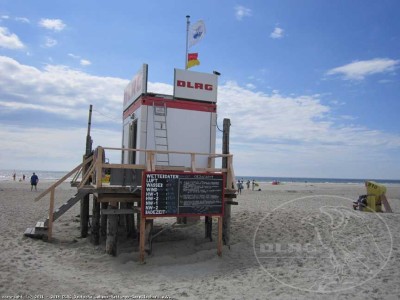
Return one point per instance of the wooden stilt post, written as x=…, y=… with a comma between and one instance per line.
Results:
x=219, y=247
x=95, y=237
x=122, y=219
x=138, y=222
x=208, y=227
x=85, y=200
x=208, y=220
x=103, y=220
x=142, y=239
x=112, y=232
x=147, y=235
x=85, y=211
x=51, y=212
x=99, y=166
x=226, y=229
x=130, y=222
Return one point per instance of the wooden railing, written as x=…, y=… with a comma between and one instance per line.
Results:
x=56, y=184
x=97, y=166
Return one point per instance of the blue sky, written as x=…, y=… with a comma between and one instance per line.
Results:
x=311, y=87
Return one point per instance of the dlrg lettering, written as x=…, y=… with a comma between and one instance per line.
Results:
x=196, y=85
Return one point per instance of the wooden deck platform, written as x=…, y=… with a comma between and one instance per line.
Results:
x=113, y=203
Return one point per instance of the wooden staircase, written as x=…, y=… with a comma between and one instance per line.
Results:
x=41, y=228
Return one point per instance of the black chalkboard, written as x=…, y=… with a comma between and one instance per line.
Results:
x=182, y=194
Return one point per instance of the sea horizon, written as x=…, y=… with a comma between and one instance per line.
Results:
x=289, y=179
x=44, y=175
x=6, y=175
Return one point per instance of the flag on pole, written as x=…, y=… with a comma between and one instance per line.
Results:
x=196, y=32
x=192, y=60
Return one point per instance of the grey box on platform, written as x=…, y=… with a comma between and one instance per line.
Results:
x=126, y=177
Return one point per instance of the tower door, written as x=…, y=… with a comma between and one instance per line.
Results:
x=132, y=142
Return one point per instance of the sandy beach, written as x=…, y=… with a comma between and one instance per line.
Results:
x=288, y=241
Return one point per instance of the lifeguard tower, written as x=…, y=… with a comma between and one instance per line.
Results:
x=184, y=121
x=167, y=169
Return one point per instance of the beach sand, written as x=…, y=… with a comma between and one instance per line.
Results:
x=288, y=241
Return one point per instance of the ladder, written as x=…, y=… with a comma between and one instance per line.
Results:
x=161, y=133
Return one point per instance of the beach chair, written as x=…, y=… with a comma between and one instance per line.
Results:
x=376, y=198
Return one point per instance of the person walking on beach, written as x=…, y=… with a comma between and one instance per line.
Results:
x=14, y=175
x=34, y=181
x=240, y=186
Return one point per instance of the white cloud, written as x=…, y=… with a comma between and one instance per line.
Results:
x=9, y=40
x=271, y=134
x=82, y=62
x=241, y=12
x=50, y=42
x=57, y=89
x=52, y=24
x=250, y=86
x=278, y=135
x=360, y=69
x=277, y=33
x=22, y=19
x=161, y=88
x=73, y=56
x=295, y=119
x=18, y=19
x=85, y=62
x=57, y=93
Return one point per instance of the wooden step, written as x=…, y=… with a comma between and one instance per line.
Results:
x=29, y=231
x=67, y=205
x=35, y=233
x=41, y=225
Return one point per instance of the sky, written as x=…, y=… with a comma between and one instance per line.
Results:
x=312, y=88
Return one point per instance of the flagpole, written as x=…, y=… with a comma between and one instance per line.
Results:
x=187, y=39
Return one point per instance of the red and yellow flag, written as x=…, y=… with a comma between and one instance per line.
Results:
x=192, y=60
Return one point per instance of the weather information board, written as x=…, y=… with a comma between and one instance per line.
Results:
x=182, y=194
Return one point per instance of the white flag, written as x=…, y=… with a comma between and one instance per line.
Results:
x=196, y=32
